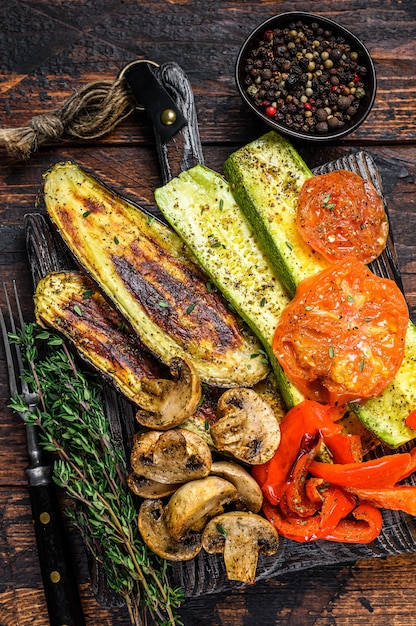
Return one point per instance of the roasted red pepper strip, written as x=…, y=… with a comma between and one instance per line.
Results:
x=400, y=498
x=378, y=473
x=365, y=529
x=345, y=448
x=307, y=417
x=315, y=488
x=410, y=420
x=335, y=507
x=295, y=499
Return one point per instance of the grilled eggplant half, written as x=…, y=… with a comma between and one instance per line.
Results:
x=150, y=276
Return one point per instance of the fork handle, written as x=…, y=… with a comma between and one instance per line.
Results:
x=61, y=590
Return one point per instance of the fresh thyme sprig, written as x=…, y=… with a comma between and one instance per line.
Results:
x=92, y=471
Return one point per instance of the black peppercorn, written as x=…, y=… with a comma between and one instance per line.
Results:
x=335, y=55
x=343, y=103
x=321, y=115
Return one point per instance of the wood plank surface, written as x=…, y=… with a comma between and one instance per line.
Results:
x=48, y=51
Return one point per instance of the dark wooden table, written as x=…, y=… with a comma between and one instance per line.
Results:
x=50, y=49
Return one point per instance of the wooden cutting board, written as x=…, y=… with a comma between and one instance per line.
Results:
x=206, y=574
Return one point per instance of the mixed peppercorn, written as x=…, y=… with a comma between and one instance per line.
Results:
x=305, y=77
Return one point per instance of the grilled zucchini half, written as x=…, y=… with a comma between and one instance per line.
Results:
x=71, y=304
x=265, y=177
x=146, y=271
x=200, y=206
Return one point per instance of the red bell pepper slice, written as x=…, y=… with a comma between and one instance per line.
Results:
x=315, y=489
x=364, y=529
x=307, y=417
x=400, y=498
x=383, y=472
x=294, y=498
x=335, y=507
x=410, y=420
x=345, y=448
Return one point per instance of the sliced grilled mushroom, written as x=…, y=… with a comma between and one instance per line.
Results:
x=241, y=537
x=152, y=527
x=174, y=456
x=166, y=403
x=195, y=502
x=148, y=488
x=249, y=492
x=246, y=426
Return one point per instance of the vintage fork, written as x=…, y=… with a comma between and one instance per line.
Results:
x=61, y=590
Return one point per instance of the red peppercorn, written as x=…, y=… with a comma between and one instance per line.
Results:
x=307, y=106
x=270, y=111
x=356, y=78
x=334, y=88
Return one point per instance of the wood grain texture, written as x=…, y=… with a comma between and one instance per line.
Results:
x=48, y=50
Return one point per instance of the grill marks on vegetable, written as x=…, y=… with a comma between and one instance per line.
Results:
x=70, y=303
x=175, y=297
x=147, y=273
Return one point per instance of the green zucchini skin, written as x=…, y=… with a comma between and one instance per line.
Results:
x=385, y=414
x=265, y=177
x=200, y=206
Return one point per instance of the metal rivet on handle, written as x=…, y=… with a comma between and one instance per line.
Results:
x=168, y=117
x=55, y=576
x=44, y=517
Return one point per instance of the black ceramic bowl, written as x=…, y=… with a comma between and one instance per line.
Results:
x=291, y=111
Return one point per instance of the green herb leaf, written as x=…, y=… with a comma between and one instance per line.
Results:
x=93, y=472
x=221, y=530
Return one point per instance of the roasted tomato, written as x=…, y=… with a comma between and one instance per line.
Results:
x=341, y=215
x=342, y=337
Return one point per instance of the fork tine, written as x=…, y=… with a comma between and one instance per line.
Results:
x=12, y=375
x=9, y=358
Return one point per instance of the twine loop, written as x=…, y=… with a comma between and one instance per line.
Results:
x=48, y=126
x=89, y=113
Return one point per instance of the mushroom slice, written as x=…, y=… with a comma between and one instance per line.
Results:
x=246, y=426
x=241, y=537
x=167, y=403
x=249, y=492
x=148, y=488
x=174, y=456
x=154, y=532
x=194, y=503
